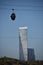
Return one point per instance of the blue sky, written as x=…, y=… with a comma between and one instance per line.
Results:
x=28, y=13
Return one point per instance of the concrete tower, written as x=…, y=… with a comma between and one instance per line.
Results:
x=23, y=43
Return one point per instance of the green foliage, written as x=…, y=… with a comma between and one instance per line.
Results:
x=11, y=61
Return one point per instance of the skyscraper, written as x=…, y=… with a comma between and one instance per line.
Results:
x=23, y=43
x=31, y=54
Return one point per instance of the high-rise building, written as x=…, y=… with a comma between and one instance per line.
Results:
x=23, y=43
x=31, y=54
